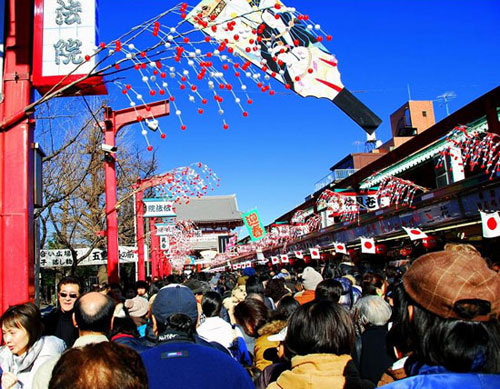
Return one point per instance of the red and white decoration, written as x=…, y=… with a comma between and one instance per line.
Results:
x=298, y=254
x=248, y=264
x=491, y=224
x=415, y=233
x=340, y=248
x=275, y=260
x=284, y=258
x=368, y=246
x=315, y=253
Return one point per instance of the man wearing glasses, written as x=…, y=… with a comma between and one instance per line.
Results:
x=59, y=322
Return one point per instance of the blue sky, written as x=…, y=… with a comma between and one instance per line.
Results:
x=272, y=159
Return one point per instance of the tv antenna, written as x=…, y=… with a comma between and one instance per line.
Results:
x=445, y=98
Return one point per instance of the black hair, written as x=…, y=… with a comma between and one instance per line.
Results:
x=99, y=321
x=330, y=270
x=254, y=285
x=211, y=304
x=275, y=289
x=330, y=290
x=124, y=325
x=70, y=280
x=320, y=327
x=286, y=307
x=371, y=282
x=141, y=284
x=251, y=313
x=26, y=316
x=180, y=323
x=457, y=345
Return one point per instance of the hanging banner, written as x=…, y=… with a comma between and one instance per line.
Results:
x=65, y=39
x=62, y=257
x=284, y=44
x=159, y=208
x=254, y=225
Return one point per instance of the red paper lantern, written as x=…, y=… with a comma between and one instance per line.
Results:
x=430, y=242
x=307, y=259
x=381, y=249
x=405, y=251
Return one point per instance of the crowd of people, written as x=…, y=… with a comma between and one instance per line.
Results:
x=434, y=322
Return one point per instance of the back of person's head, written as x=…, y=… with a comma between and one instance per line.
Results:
x=330, y=270
x=286, y=307
x=24, y=316
x=99, y=365
x=211, y=304
x=124, y=325
x=275, y=289
x=330, y=290
x=254, y=285
x=454, y=300
x=372, y=284
x=94, y=312
x=251, y=315
x=320, y=327
x=371, y=311
x=69, y=280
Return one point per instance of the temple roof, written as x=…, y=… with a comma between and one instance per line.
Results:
x=210, y=209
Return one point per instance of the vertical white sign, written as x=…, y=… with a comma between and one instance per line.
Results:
x=69, y=34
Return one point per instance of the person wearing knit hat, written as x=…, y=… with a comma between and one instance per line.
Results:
x=137, y=308
x=449, y=314
x=310, y=279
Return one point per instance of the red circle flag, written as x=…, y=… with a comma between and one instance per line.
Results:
x=368, y=245
x=492, y=223
x=314, y=252
x=415, y=232
x=340, y=247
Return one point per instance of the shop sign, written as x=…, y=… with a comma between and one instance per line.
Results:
x=254, y=225
x=65, y=39
x=158, y=208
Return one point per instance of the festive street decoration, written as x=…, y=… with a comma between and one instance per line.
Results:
x=491, y=224
x=340, y=248
x=475, y=149
x=339, y=205
x=254, y=225
x=195, y=180
x=298, y=217
x=414, y=233
x=429, y=243
x=242, y=44
x=315, y=253
x=396, y=191
x=368, y=245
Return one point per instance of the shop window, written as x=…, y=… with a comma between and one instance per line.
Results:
x=424, y=114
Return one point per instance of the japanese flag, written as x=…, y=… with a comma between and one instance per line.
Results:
x=284, y=259
x=248, y=264
x=298, y=254
x=368, y=245
x=315, y=254
x=491, y=224
x=275, y=260
x=415, y=233
x=340, y=248
x=235, y=266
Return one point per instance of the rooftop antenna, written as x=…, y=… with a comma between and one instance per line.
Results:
x=409, y=93
x=445, y=98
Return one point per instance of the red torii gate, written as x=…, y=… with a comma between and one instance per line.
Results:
x=157, y=256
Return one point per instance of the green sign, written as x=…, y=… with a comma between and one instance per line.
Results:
x=254, y=225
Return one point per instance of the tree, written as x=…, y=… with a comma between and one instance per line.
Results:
x=73, y=214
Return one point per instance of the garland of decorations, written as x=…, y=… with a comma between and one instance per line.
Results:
x=476, y=150
x=396, y=191
x=340, y=205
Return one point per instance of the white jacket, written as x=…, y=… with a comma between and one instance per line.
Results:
x=215, y=329
x=26, y=365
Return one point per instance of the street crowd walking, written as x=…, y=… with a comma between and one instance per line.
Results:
x=434, y=322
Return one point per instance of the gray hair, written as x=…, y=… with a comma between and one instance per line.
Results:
x=372, y=310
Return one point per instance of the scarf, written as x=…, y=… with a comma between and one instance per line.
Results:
x=23, y=363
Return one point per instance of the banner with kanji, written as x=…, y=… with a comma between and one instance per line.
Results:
x=254, y=225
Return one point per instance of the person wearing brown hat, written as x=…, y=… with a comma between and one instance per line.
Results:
x=450, y=318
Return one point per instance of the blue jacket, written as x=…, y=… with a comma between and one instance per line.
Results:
x=189, y=365
x=437, y=377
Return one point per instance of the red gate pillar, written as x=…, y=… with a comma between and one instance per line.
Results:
x=155, y=248
x=139, y=208
x=16, y=160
